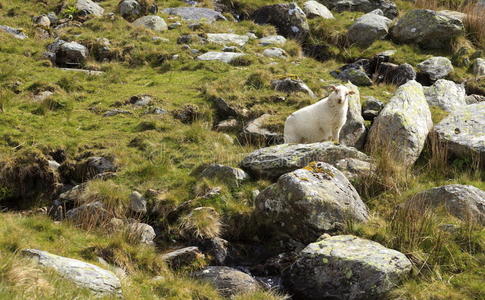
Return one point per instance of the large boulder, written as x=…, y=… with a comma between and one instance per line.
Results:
x=388, y=7
x=88, y=7
x=225, y=173
x=428, y=28
x=462, y=133
x=227, y=38
x=314, y=9
x=353, y=132
x=465, y=202
x=100, y=281
x=255, y=133
x=369, y=28
x=308, y=202
x=272, y=162
x=195, y=13
x=445, y=94
x=16, y=33
x=68, y=54
x=154, y=23
x=435, y=68
x=403, y=125
x=289, y=19
x=346, y=267
x=228, y=281
x=226, y=57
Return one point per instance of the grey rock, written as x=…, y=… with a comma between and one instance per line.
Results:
x=308, y=202
x=436, y=67
x=479, y=67
x=227, y=125
x=272, y=40
x=371, y=109
x=388, y=7
x=130, y=9
x=140, y=100
x=428, y=28
x=195, y=14
x=228, y=281
x=255, y=133
x=54, y=164
x=395, y=74
x=142, y=232
x=355, y=169
x=353, y=132
x=272, y=162
x=407, y=119
x=42, y=21
x=354, y=73
x=462, y=133
x=346, y=267
x=88, y=7
x=116, y=111
x=71, y=54
x=182, y=257
x=275, y=52
x=138, y=203
x=227, y=38
x=369, y=28
x=225, y=173
x=226, y=57
x=314, y=9
x=445, y=94
x=289, y=19
x=217, y=248
x=16, y=33
x=473, y=99
x=94, y=212
x=465, y=202
x=289, y=85
x=154, y=23
x=100, y=281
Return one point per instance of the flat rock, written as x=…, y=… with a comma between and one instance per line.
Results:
x=195, y=13
x=227, y=38
x=445, y=94
x=346, y=267
x=16, y=33
x=83, y=274
x=225, y=57
x=256, y=134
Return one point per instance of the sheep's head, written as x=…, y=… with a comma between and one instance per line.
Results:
x=340, y=93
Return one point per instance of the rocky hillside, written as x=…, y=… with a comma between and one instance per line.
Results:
x=142, y=157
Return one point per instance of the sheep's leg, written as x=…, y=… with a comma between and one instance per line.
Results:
x=336, y=135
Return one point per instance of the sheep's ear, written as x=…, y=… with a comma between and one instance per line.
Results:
x=350, y=93
x=332, y=88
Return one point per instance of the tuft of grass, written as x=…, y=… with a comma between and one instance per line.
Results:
x=201, y=223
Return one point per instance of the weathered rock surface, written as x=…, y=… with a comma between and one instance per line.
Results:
x=67, y=54
x=353, y=132
x=445, y=94
x=289, y=85
x=369, y=28
x=314, y=9
x=130, y=9
x=275, y=52
x=407, y=119
x=308, y=202
x=83, y=274
x=465, y=202
x=428, y=28
x=389, y=8
x=228, y=281
x=138, y=203
x=182, y=257
x=142, y=232
x=227, y=38
x=93, y=212
x=272, y=40
x=289, y=19
x=88, y=7
x=479, y=67
x=462, y=133
x=354, y=72
x=225, y=173
x=473, y=99
x=16, y=33
x=154, y=23
x=272, y=162
x=394, y=74
x=255, y=133
x=346, y=267
x=436, y=67
x=195, y=13
x=226, y=57
x=371, y=109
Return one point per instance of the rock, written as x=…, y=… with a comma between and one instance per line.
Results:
x=289, y=19
x=187, y=114
x=275, y=53
x=182, y=257
x=85, y=275
x=154, y=23
x=41, y=96
x=88, y=7
x=138, y=203
x=227, y=125
x=394, y=74
x=195, y=14
x=224, y=173
x=465, y=202
x=42, y=21
x=94, y=213
x=354, y=73
x=314, y=9
x=407, y=119
x=226, y=57
x=54, y=164
x=71, y=54
x=435, y=68
x=346, y=267
x=389, y=8
x=140, y=100
x=272, y=40
x=115, y=112
x=141, y=232
x=227, y=38
x=16, y=33
x=479, y=67
x=369, y=28
x=225, y=109
x=228, y=281
x=255, y=133
x=428, y=28
x=289, y=85
x=353, y=132
x=355, y=169
x=371, y=109
x=445, y=94
x=93, y=166
x=272, y=162
x=462, y=133
x=472, y=99
x=308, y=202
x=216, y=248
x=130, y=9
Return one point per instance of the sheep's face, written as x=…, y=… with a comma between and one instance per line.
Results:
x=340, y=93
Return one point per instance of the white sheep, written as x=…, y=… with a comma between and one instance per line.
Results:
x=320, y=121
